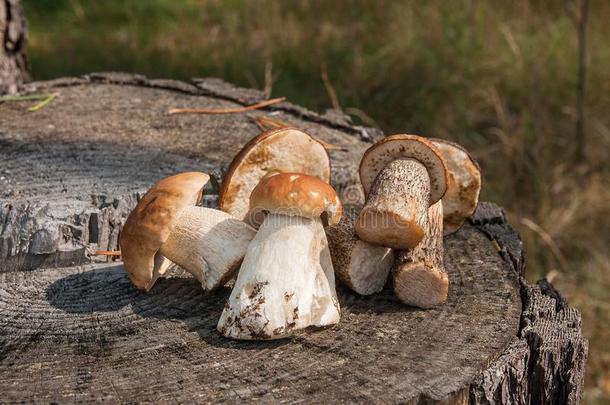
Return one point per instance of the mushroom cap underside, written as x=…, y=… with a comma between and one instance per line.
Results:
x=463, y=185
x=402, y=146
x=277, y=150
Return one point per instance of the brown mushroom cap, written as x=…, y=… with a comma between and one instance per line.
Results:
x=277, y=150
x=151, y=221
x=294, y=194
x=463, y=184
x=396, y=147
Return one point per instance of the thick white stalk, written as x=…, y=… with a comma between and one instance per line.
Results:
x=209, y=244
x=285, y=283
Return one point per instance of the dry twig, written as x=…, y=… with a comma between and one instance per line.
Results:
x=332, y=94
x=548, y=239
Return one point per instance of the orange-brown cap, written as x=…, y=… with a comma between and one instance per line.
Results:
x=151, y=221
x=278, y=150
x=294, y=194
x=396, y=147
x=463, y=184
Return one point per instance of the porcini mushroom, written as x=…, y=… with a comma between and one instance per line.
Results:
x=166, y=226
x=463, y=184
x=419, y=275
x=402, y=175
x=286, y=281
x=361, y=266
x=277, y=150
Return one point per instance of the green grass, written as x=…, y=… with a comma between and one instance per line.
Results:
x=497, y=76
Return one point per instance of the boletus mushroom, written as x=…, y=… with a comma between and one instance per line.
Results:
x=167, y=226
x=419, y=276
x=463, y=184
x=285, y=150
x=361, y=266
x=402, y=175
x=286, y=280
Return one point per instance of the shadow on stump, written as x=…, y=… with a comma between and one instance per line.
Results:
x=174, y=299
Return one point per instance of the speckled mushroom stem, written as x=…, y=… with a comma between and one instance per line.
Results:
x=286, y=282
x=209, y=244
x=419, y=275
x=361, y=266
x=396, y=210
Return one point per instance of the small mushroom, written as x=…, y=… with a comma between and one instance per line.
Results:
x=286, y=150
x=402, y=175
x=463, y=184
x=361, y=266
x=419, y=275
x=166, y=226
x=286, y=281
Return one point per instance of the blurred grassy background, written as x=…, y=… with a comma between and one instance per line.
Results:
x=499, y=77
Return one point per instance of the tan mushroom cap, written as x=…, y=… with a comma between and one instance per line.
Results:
x=151, y=221
x=294, y=194
x=278, y=150
x=463, y=184
x=396, y=147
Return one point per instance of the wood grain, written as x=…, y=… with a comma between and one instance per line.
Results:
x=74, y=329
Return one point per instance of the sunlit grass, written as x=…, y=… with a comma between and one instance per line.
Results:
x=497, y=76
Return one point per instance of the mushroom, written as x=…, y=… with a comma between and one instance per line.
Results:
x=166, y=226
x=361, y=266
x=286, y=281
x=277, y=150
x=463, y=184
x=402, y=175
x=419, y=275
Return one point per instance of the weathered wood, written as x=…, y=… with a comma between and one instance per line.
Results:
x=545, y=364
x=14, y=67
x=71, y=172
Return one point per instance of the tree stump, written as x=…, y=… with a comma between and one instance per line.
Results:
x=72, y=328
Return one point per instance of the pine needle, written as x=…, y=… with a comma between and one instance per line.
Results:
x=46, y=99
x=227, y=110
x=264, y=122
x=44, y=102
x=107, y=253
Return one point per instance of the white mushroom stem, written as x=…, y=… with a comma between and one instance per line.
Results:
x=209, y=244
x=395, y=213
x=361, y=266
x=285, y=283
x=420, y=278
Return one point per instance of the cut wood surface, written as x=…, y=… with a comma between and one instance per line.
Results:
x=72, y=328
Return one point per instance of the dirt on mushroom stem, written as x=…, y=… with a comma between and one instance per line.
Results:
x=269, y=302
